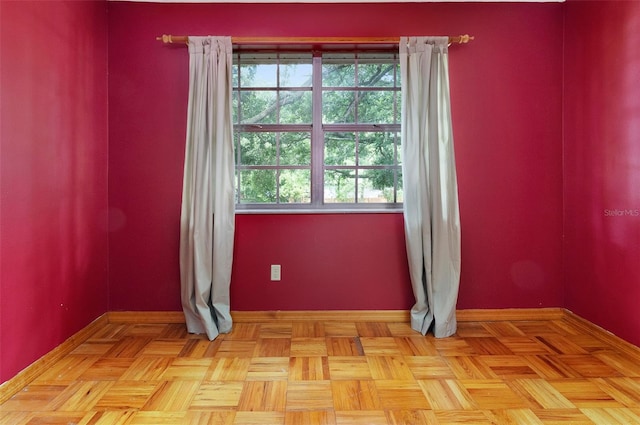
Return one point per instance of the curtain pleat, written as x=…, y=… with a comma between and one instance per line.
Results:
x=207, y=220
x=431, y=213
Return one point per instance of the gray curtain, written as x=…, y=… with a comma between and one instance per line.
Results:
x=431, y=214
x=207, y=219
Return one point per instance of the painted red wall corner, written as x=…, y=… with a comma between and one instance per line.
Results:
x=602, y=164
x=53, y=189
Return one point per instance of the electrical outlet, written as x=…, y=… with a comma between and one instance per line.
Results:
x=275, y=272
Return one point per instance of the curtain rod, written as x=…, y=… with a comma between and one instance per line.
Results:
x=169, y=39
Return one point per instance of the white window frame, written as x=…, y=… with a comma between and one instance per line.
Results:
x=317, y=130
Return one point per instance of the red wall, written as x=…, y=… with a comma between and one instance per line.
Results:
x=602, y=164
x=506, y=101
x=53, y=190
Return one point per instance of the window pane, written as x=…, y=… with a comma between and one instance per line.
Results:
x=296, y=107
x=234, y=106
x=375, y=74
x=338, y=107
x=375, y=107
x=338, y=72
x=262, y=75
x=259, y=107
x=339, y=186
x=234, y=72
x=257, y=186
x=295, y=75
x=376, y=148
x=375, y=186
x=257, y=148
x=399, y=192
x=295, y=148
x=340, y=149
x=295, y=186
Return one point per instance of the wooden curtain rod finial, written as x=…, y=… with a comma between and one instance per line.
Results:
x=463, y=39
x=170, y=39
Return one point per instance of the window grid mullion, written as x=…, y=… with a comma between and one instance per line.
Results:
x=317, y=135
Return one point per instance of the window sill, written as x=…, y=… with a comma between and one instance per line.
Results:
x=319, y=211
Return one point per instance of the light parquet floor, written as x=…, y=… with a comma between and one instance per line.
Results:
x=307, y=372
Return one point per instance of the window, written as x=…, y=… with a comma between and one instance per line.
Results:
x=317, y=130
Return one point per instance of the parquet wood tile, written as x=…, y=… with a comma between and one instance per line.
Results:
x=349, y=368
x=236, y=348
x=457, y=417
x=493, y=394
x=560, y=344
x=585, y=393
x=372, y=329
x=172, y=396
x=401, y=394
x=344, y=346
x=625, y=390
x=106, y=369
x=380, y=346
x=317, y=417
x=309, y=368
x=611, y=416
x=410, y=417
x=276, y=329
x=429, y=367
x=508, y=367
x=272, y=347
x=389, y=367
x=624, y=364
x=525, y=346
x=469, y=367
x=308, y=329
x=147, y=369
x=80, y=396
x=268, y=368
x=446, y=394
x=259, y=418
x=69, y=368
x=198, y=348
x=346, y=329
x=216, y=395
x=488, y=345
x=453, y=346
x=416, y=346
x=503, y=329
x=549, y=367
x=263, y=396
x=361, y=417
x=128, y=347
x=229, y=369
x=308, y=372
x=401, y=329
x=124, y=395
x=355, y=395
x=308, y=346
x=309, y=396
x=244, y=332
x=541, y=394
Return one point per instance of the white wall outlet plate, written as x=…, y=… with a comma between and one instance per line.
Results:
x=275, y=272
